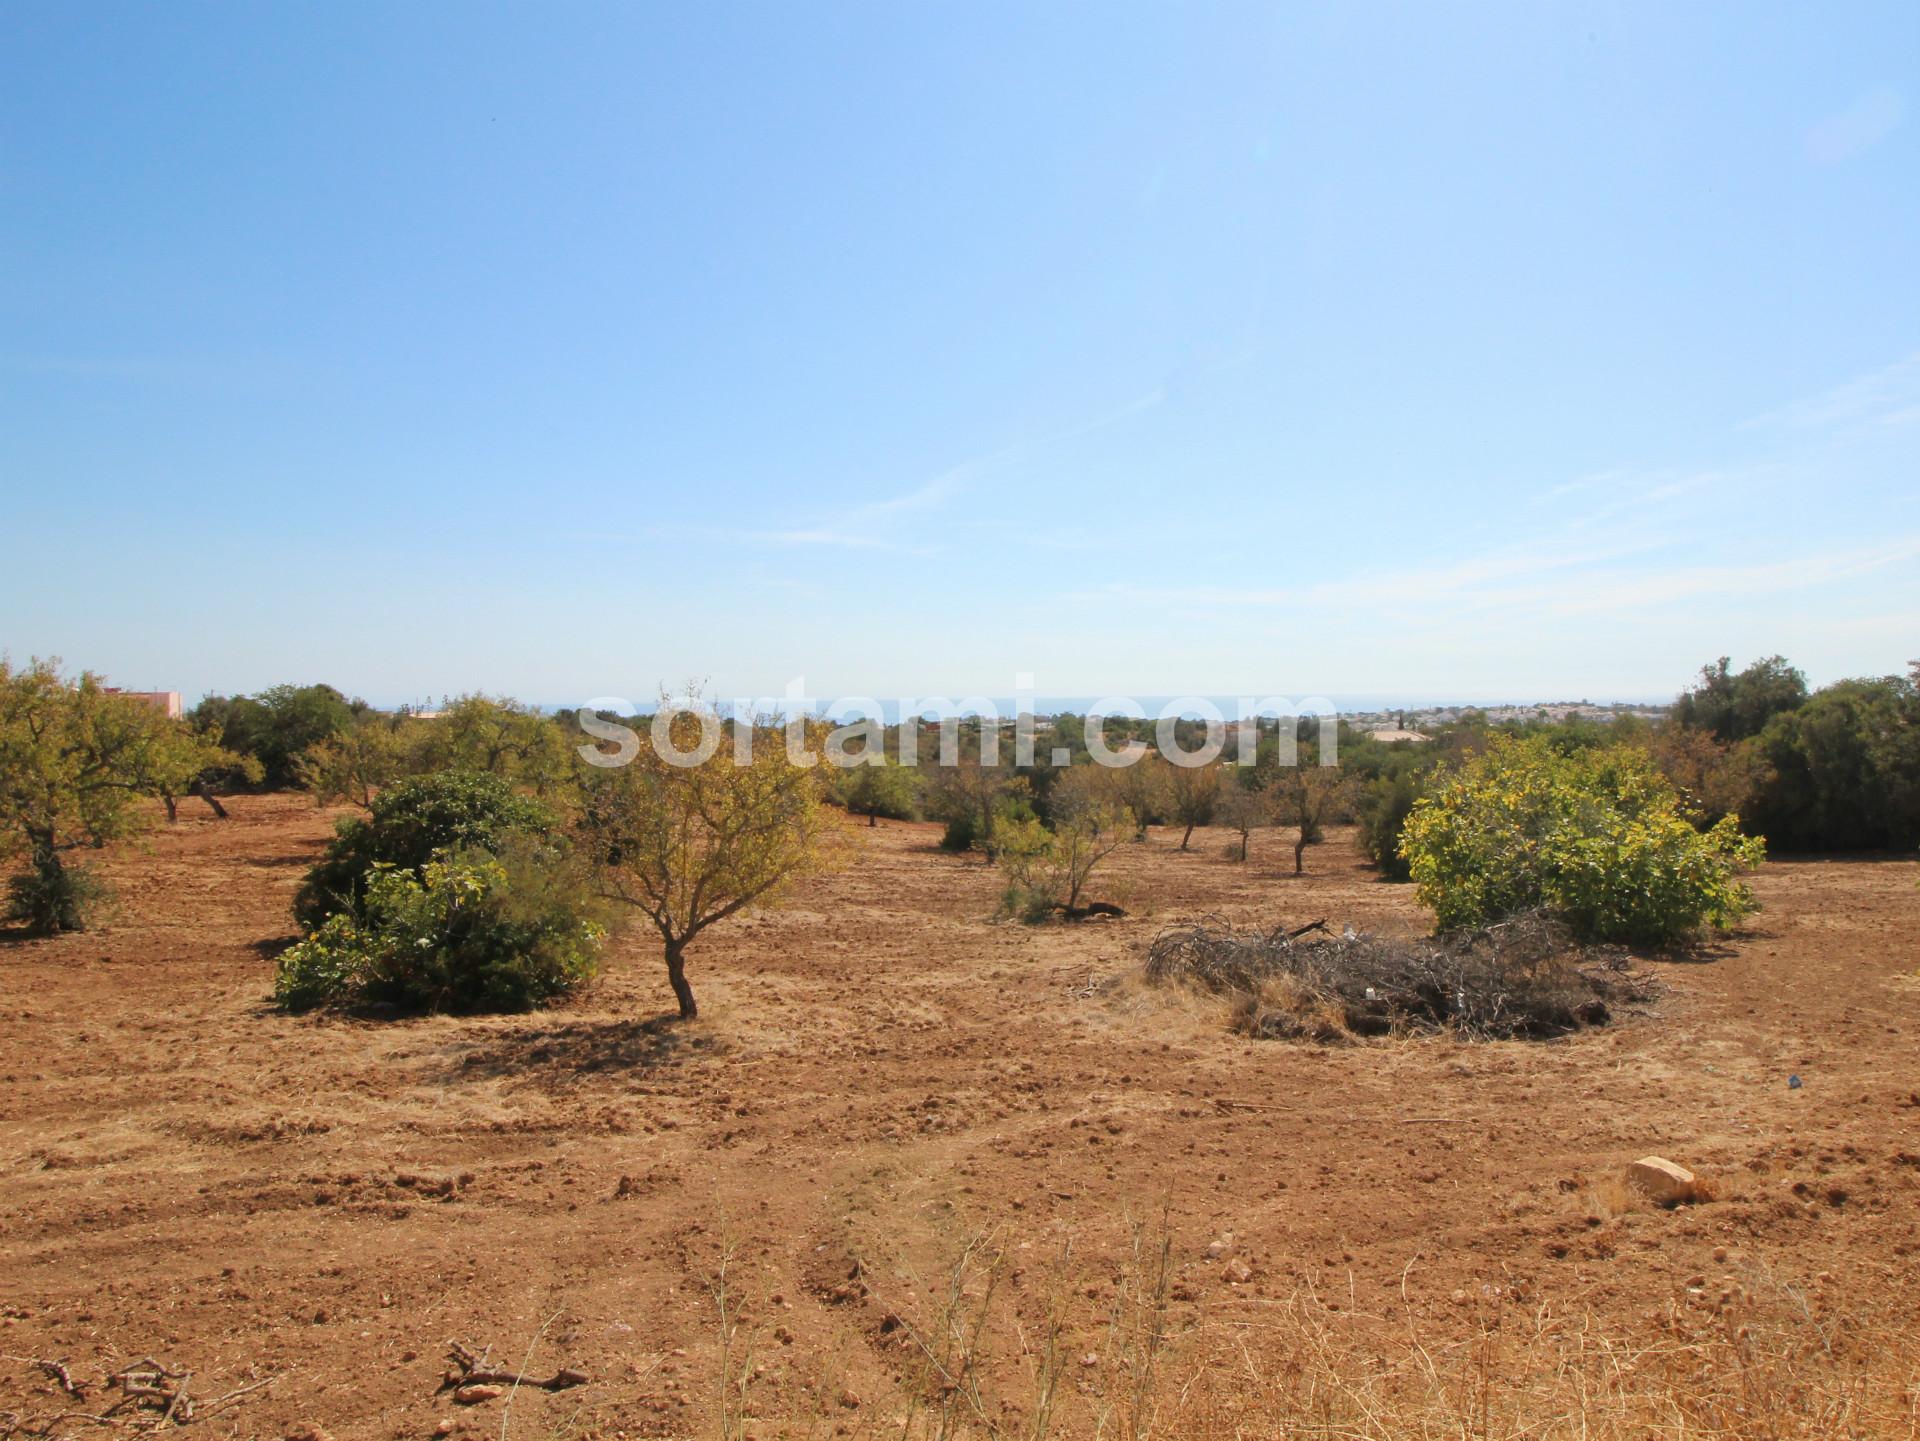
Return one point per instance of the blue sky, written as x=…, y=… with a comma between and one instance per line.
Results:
x=1490, y=351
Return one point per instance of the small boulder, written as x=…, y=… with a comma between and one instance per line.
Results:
x=1663, y=1182
x=474, y=1395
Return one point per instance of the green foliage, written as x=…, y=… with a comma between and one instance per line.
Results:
x=46, y=899
x=409, y=823
x=353, y=764
x=1048, y=869
x=74, y=760
x=1735, y=707
x=1844, y=769
x=1382, y=806
x=472, y=931
x=888, y=790
x=502, y=737
x=275, y=726
x=1599, y=835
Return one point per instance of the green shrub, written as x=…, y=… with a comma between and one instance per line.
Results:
x=410, y=823
x=1599, y=836
x=1382, y=809
x=48, y=899
x=472, y=932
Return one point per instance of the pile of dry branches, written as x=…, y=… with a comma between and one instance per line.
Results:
x=1524, y=977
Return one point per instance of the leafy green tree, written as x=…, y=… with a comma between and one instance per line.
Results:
x=1843, y=769
x=75, y=759
x=408, y=825
x=1734, y=707
x=689, y=846
x=275, y=726
x=353, y=764
x=1048, y=867
x=973, y=799
x=502, y=737
x=1599, y=835
x=879, y=790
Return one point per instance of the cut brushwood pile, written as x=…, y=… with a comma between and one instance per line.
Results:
x=1524, y=977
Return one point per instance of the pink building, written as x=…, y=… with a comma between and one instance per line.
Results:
x=167, y=702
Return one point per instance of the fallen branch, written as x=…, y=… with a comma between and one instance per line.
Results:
x=474, y=1371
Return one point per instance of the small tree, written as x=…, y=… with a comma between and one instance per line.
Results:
x=972, y=799
x=878, y=790
x=1193, y=792
x=1242, y=806
x=1140, y=789
x=1048, y=869
x=354, y=763
x=74, y=760
x=690, y=845
x=1307, y=796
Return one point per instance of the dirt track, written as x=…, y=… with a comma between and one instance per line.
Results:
x=880, y=1073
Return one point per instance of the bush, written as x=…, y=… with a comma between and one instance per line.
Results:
x=1843, y=770
x=1599, y=836
x=473, y=932
x=1382, y=810
x=50, y=899
x=410, y=823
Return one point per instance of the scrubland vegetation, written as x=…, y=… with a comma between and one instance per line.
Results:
x=478, y=863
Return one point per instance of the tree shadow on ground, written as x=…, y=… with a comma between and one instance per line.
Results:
x=557, y=1054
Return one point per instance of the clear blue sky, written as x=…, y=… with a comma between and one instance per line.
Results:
x=1480, y=350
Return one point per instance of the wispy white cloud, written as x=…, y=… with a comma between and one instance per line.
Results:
x=1865, y=123
x=876, y=524
x=1889, y=396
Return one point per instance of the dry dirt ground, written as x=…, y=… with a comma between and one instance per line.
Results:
x=1416, y=1236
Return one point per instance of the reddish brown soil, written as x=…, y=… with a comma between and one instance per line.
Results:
x=882, y=1071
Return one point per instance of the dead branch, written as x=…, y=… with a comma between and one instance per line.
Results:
x=472, y=1370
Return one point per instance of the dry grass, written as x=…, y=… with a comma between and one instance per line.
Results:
x=1743, y=1357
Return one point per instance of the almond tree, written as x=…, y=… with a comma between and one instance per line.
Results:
x=690, y=845
x=1193, y=792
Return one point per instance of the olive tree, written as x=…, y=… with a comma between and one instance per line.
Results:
x=692, y=831
x=75, y=759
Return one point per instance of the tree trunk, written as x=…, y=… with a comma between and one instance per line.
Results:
x=873, y=819
x=677, y=978
x=173, y=807
x=1300, y=851
x=1187, y=837
x=200, y=789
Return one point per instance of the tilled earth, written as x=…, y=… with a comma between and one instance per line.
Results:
x=882, y=1075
